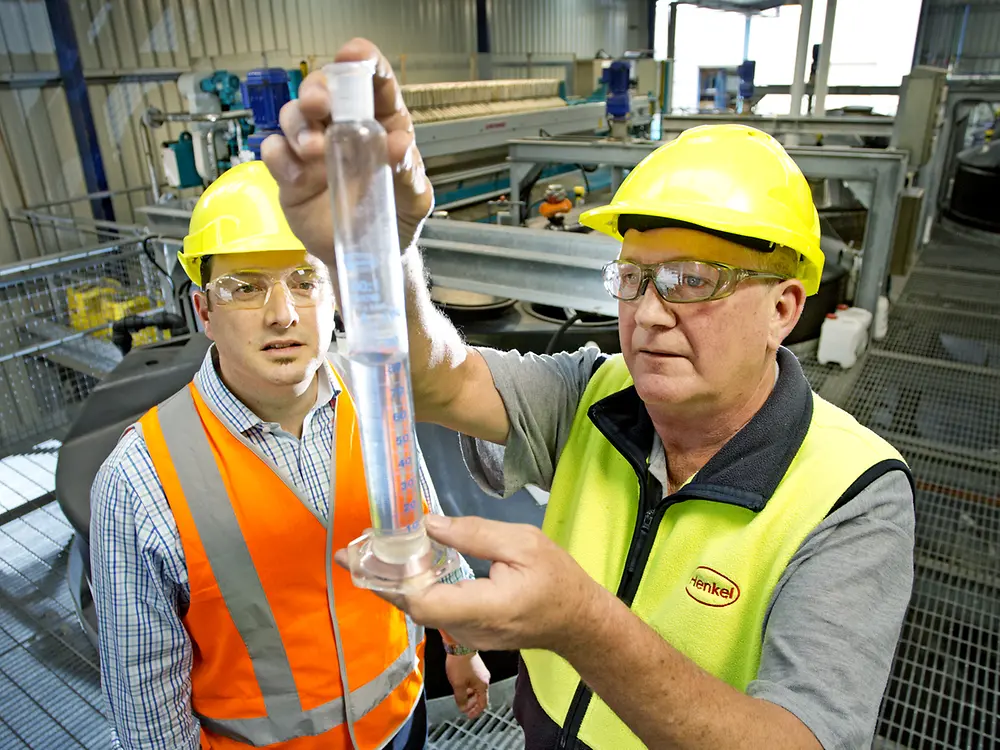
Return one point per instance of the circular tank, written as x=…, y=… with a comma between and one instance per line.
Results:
x=975, y=194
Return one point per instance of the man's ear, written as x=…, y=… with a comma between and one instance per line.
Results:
x=201, y=308
x=789, y=300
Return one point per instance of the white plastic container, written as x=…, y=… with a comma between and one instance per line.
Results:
x=841, y=339
x=881, y=318
x=864, y=319
x=858, y=313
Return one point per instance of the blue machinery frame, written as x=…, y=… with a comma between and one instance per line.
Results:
x=78, y=100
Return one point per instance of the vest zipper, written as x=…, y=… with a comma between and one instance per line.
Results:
x=647, y=523
x=638, y=551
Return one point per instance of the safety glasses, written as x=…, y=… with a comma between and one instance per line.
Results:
x=252, y=289
x=677, y=280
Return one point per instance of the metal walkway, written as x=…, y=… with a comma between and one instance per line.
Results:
x=932, y=387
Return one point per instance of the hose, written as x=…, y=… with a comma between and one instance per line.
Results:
x=551, y=346
x=122, y=330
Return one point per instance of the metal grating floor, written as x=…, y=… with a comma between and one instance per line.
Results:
x=923, y=402
x=496, y=729
x=962, y=337
x=936, y=289
x=49, y=684
x=957, y=252
x=932, y=387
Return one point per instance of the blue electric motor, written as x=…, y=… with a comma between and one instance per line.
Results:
x=616, y=77
x=224, y=85
x=746, y=72
x=265, y=92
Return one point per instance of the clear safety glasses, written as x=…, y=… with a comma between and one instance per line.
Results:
x=252, y=289
x=677, y=280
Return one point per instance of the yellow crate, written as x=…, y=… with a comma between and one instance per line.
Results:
x=88, y=303
x=99, y=303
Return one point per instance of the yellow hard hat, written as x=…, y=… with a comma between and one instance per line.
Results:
x=238, y=213
x=731, y=179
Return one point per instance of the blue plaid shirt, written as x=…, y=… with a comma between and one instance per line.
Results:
x=140, y=579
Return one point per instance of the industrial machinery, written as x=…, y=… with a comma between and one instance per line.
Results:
x=462, y=129
x=221, y=135
x=967, y=115
x=617, y=78
x=975, y=193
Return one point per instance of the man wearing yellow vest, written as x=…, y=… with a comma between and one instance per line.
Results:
x=725, y=559
x=223, y=621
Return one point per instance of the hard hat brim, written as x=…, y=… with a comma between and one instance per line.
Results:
x=604, y=219
x=283, y=242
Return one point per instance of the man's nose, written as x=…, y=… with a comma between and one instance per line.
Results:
x=279, y=310
x=651, y=310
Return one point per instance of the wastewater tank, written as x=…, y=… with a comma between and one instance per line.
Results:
x=975, y=194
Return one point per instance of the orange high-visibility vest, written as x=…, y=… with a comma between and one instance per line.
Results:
x=281, y=658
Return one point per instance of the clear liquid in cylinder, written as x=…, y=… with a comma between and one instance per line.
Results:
x=396, y=554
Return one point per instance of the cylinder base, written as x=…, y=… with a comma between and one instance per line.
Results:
x=398, y=562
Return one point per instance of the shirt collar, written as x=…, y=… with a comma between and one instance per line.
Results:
x=241, y=418
x=748, y=469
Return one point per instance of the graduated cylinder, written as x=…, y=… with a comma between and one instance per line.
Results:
x=396, y=554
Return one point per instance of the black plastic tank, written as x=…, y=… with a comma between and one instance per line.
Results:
x=975, y=194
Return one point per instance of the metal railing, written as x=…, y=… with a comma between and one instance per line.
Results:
x=56, y=316
x=65, y=225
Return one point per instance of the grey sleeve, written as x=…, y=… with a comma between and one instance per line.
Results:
x=541, y=394
x=836, y=614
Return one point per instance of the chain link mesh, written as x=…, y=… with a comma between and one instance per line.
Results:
x=56, y=317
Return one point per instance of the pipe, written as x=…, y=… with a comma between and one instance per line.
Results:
x=157, y=118
x=746, y=38
x=823, y=69
x=801, y=51
x=147, y=147
x=89, y=196
x=122, y=329
x=961, y=36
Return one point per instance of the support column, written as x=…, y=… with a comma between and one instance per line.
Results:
x=484, y=56
x=672, y=30
x=801, y=52
x=668, y=96
x=78, y=101
x=823, y=68
x=650, y=24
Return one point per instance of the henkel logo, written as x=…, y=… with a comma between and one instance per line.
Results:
x=711, y=588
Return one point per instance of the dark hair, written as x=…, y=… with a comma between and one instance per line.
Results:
x=206, y=270
x=646, y=223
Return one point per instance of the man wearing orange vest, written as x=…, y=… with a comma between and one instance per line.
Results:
x=223, y=621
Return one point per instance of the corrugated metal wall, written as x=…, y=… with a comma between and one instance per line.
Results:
x=129, y=47
x=556, y=31
x=938, y=39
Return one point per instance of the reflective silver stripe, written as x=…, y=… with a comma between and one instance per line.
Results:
x=331, y=599
x=227, y=552
x=371, y=695
x=271, y=729
x=279, y=471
